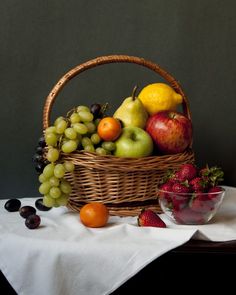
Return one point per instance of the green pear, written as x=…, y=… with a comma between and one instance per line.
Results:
x=132, y=112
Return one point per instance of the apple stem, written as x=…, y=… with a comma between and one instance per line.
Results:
x=134, y=92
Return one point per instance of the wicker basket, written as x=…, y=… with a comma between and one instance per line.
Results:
x=125, y=185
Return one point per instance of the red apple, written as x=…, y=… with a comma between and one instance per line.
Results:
x=171, y=131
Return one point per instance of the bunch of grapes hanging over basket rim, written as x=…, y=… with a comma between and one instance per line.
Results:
x=75, y=132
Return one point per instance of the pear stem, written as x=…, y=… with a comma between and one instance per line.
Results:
x=134, y=92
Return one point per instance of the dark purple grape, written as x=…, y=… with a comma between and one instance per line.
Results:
x=95, y=109
x=42, y=142
x=37, y=158
x=32, y=221
x=40, y=206
x=12, y=205
x=26, y=211
x=39, y=150
x=39, y=167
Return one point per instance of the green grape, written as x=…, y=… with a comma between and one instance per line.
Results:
x=109, y=146
x=59, y=171
x=86, y=141
x=69, y=146
x=69, y=166
x=75, y=118
x=101, y=151
x=42, y=178
x=83, y=108
x=91, y=127
x=51, y=139
x=51, y=129
x=54, y=181
x=86, y=116
x=48, y=201
x=61, y=126
x=53, y=155
x=58, y=120
x=62, y=200
x=70, y=133
x=89, y=148
x=95, y=138
x=55, y=192
x=48, y=171
x=80, y=128
x=44, y=188
x=65, y=187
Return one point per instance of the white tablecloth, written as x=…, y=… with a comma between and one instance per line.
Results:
x=64, y=257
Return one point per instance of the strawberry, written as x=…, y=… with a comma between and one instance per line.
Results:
x=186, y=172
x=188, y=216
x=214, y=193
x=201, y=203
x=181, y=197
x=166, y=188
x=180, y=188
x=180, y=201
x=147, y=217
x=198, y=184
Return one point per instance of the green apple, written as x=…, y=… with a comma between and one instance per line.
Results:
x=134, y=142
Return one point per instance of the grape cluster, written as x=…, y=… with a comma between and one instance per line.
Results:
x=76, y=131
x=38, y=158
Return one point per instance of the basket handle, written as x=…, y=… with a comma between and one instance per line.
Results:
x=105, y=60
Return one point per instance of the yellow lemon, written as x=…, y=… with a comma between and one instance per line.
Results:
x=158, y=97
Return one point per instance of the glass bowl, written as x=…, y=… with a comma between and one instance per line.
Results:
x=190, y=208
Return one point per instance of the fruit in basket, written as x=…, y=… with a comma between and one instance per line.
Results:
x=148, y=217
x=109, y=129
x=134, y=142
x=170, y=131
x=158, y=97
x=132, y=112
x=188, y=197
x=94, y=214
x=98, y=110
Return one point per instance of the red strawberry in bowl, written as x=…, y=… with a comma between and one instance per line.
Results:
x=188, y=216
x=186, y=172
x=214, y=193
x=148, y=217
x=197, y=184
x=201, y=203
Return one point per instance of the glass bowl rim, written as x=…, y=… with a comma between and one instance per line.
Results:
x=190, y=194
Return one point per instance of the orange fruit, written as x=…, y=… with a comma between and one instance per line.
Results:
x=109, y=128
x=94, y=214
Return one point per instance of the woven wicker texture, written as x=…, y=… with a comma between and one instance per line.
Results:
x=125, y=185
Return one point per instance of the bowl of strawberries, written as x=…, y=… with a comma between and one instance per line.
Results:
x=191, y=195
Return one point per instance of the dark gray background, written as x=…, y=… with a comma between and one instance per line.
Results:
x=41, y=40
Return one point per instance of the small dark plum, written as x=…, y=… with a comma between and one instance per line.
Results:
x=12, y=205
x=32, y=221
x=26, y=211
x=40, y=206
